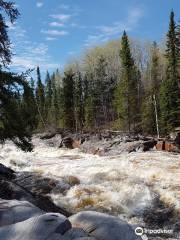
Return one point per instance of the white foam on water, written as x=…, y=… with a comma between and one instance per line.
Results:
x=122, y=184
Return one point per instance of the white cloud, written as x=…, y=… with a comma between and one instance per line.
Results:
x=28, y=54
x=105, y=32
x=55, y=32
x=50, y=38
x=39, y=4
x=61, y=17
x=56, y=24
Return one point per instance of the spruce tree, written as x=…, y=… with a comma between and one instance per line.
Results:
x=78, y=101
x=68, y=97
x=40, y=99
x=48, y=91
x=29, y=106
x=55, y=105
x=170, y=91
x=126, y=100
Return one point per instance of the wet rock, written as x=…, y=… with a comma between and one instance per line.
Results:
x=103, y=226
x=148, y=145
x=47, y=226
x=160, y=145
x=168, y=146
x=35, y=182
x=13, y=211
x=158, y=214
x=6, y=172
x=72, y=180
x=177, y=139
x=13, y=190
x=47, y=135
x=70, y=143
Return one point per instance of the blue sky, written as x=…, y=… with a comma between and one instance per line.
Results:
x=50, y=32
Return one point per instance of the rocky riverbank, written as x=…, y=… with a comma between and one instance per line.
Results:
x=116, y=188
x=26, y=221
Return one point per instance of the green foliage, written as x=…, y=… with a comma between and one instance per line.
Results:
x=15, y=123
x=78, y=101
x=40, y=100
x=68, y=100
x=148, y=106
x=126, y=94
x=170, y=91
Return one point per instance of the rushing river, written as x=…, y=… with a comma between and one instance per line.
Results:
x=122, y=185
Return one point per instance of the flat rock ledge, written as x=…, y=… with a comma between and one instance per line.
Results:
x=21, y=220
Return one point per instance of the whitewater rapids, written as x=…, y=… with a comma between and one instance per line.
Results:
x=123, y=185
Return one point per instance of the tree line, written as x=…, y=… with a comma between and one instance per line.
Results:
x=127, y=85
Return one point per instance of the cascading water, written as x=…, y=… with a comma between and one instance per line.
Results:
x=122, y=185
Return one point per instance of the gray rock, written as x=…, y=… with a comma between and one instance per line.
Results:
x=103, y=226
x=6, y=172
x=86, y=238
x=17, y=190
x=14, y=211
x=75, y=233
x=49, y=226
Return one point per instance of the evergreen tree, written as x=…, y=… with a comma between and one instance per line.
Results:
x=29, y=107
x=78, y=101
x=40, y=99
x=68, y=97
x=49, y=91
x=88, y=101
x=55, y=105
x=126, y=100
x=12, y=116
x=170, y=92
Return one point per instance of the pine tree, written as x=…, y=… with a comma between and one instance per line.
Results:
x=126, y=100
x=170, y=92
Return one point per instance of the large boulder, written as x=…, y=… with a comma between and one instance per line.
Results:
x=13, y=211
x=103, y=226
x=49, y=226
